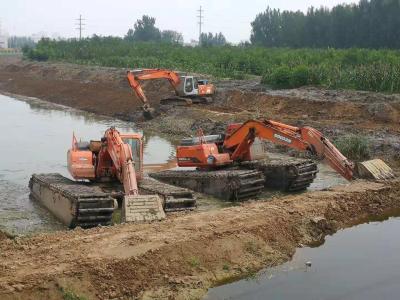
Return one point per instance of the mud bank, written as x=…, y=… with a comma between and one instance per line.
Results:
x=183, y=256
x=105, y=91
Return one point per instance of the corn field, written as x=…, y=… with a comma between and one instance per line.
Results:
x=360, y=69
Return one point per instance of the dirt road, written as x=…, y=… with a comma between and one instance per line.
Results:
x=184, y=255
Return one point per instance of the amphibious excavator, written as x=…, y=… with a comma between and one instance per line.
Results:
x=105, y=171
x=227, y=169
x=188, y=89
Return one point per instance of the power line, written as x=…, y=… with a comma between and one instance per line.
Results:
x=200, y=16
x=80, y=26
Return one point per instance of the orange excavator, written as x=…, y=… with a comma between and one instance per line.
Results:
x=188, y=89
x=116, y=158
x=230, y=153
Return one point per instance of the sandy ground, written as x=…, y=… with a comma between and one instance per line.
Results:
x=181, y=257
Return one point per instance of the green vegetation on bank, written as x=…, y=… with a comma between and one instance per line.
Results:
x=355, y=147
x=361, y=69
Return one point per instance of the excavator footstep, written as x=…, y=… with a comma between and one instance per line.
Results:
x=142, y=208
x=374, y=169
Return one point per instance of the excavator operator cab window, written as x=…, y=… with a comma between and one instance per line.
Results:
x=195, y=83
x=188, y=84
x=136, y=148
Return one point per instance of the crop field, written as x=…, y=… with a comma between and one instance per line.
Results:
x=359, y=69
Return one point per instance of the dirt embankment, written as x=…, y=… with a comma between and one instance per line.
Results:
x=106, y=91
x=99, y=90
x=181, y=257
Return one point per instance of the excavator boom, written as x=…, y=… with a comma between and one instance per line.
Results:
x=186, y=86
x=121, y=155
x=135, y=207
x=303, y=139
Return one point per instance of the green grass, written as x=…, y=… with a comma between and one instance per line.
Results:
x=194, y=262
x=361, y=69
x=70, y=295
x=354, y=147
x=226, y=267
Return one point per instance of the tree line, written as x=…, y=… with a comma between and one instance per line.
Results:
x=368, y=24
x=145, y=30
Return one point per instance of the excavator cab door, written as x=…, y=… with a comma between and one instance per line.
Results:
x=190, y=86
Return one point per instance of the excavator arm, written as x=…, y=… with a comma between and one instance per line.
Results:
x=134, y=78
x=121, y=155
x=303, y=139
x=135, y=207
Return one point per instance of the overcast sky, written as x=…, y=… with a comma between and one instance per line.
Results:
x=114, y=17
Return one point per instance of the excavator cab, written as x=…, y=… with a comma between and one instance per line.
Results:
x=189, y=86
x=136, y=144
x=192, y=87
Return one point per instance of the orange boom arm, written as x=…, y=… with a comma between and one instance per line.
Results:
x=121, y=156
x=303, y=139
x=147, y=74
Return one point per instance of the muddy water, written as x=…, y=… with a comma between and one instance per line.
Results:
x=357, y=263
x=35, y=138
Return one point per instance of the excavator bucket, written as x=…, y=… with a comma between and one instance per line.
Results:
x=141, y=208
x=374, y=169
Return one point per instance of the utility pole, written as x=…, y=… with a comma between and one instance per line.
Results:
x=200, y=16
x=80, y=26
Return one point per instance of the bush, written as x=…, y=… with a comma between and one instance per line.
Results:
x=300, y=76
x=354, y=147
x=37, y=54
x=280, y=78
x=285, y=78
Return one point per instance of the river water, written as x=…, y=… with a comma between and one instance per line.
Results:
x=362, y=262
x=35, y=139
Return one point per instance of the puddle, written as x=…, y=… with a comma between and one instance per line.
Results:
x=361, y=262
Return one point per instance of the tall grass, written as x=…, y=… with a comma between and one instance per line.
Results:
x=354, y=147
x=361, y=69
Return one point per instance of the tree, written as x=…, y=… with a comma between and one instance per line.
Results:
x=171, y=36
x=208, y=40
x=368, y=24
x=144, y=30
